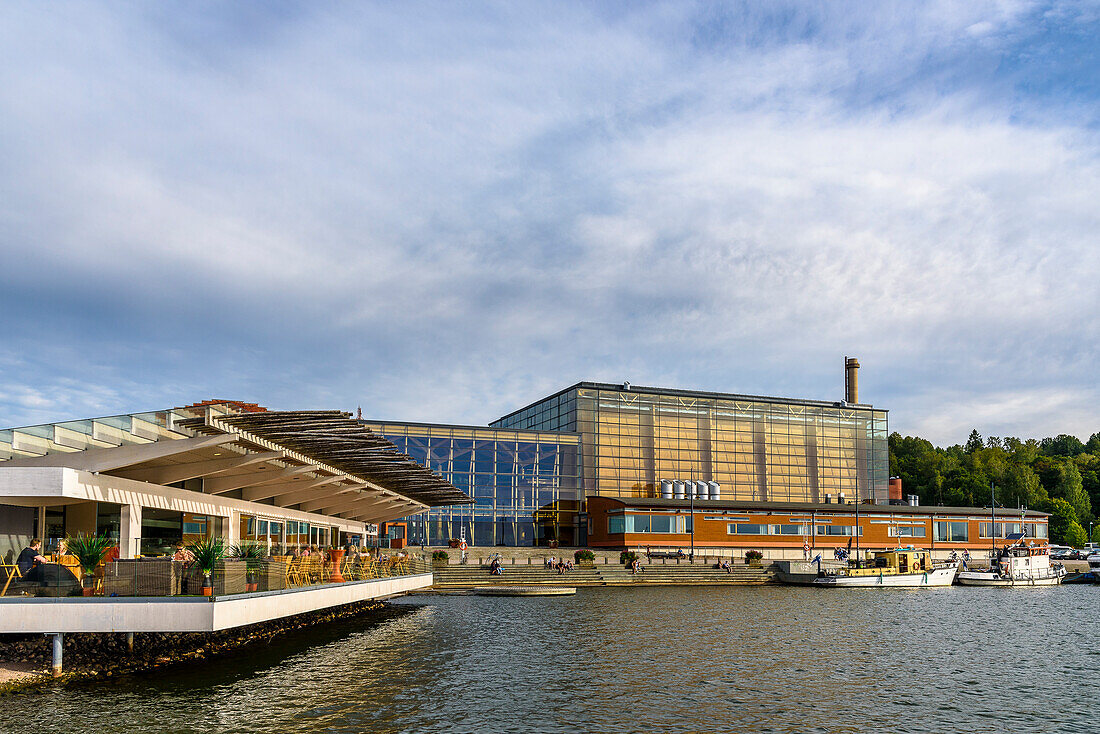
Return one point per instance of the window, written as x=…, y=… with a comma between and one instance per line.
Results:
x=1037, y=530
x=616, y=524
x=952, y=532
x=661, y=524
x=637, y=523
x=844, y=530
x=746, y=529
x=791, y=529
x=908, y=531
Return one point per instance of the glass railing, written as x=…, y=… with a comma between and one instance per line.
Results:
x=64, y=576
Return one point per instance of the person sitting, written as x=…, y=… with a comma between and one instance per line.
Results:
x=183, y=554
x=30, y=559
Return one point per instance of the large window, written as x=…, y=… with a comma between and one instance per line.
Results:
x=648, y=524
x=843, y=530
x=744, y=528
x=908, y=531
x=952, y=531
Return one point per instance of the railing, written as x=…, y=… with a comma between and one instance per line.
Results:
x=166, y=577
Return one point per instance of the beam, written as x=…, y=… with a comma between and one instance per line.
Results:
x=193, y=469
x=336, y=502
x=277, y=492
x=220, y=485
x=371, y=509
x=117, y=457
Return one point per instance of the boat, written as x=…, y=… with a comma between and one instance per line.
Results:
x=902, y=567
x=1019, y=564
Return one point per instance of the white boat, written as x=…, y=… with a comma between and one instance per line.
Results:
x=1019, y=564
x=902, y=567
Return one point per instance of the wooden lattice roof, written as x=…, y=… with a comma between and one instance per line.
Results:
x=334, y=438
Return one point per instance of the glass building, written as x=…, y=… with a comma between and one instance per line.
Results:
x=525, y=484
x=530, y=471
x=755, y=448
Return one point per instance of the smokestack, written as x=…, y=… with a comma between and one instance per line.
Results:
x=851, y=380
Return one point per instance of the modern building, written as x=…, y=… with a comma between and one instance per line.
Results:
x=600, y=464
x=535, y=472
x=223, y=469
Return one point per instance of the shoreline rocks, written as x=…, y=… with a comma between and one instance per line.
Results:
x=94, y=655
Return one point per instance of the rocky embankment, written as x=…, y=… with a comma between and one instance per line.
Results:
x=25, y=659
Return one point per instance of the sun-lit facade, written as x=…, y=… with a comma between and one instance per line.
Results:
x=753, y=448
x=531, y=472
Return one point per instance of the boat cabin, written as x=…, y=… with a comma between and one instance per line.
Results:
x=890, y=562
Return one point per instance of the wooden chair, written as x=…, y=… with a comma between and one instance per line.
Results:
x=295, y=576
x=12, y=572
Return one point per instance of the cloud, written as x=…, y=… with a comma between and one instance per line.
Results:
x=443, y=213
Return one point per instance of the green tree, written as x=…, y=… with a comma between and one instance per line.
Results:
x=1020, y=487
x=974, y=442
x=1075, y=536
x=1093, y=445
x=1062, y=445
x=1072, y=490
x=1062, y=517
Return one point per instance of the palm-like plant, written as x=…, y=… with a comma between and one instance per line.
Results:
x=253, y=554
x=207, y=552
x=89, y=550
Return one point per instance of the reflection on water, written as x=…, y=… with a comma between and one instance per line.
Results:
x=691, y=659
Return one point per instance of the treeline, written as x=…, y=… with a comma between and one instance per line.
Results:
x=1057, y=475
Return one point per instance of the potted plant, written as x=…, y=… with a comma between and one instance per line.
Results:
x=584, y=558
x=440, y=557
x=753, y=557
x=627, y=557
x=208, y=552
x=89, y=551
x=252, y=553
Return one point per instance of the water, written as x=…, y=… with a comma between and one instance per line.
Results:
x=688, y=659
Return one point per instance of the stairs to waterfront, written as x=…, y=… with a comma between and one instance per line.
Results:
x=682, y=574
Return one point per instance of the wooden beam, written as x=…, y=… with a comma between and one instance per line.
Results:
x=220, y=485
x=192, y=469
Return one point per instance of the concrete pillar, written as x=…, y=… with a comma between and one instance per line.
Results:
x=233, y=532
x=130, y=642
x=129, y=540
x=40, y=526
x=58, y=645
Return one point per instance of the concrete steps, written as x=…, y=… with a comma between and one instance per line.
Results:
x=465, y=577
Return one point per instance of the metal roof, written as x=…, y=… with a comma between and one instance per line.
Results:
x=703, y=394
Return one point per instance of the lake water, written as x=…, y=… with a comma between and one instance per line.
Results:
x=687, y=659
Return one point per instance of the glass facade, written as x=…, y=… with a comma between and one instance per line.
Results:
x=525, y=484
x=755, y=448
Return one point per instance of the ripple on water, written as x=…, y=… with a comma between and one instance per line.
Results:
x=693, y=659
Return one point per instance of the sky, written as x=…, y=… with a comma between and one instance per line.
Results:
x=444, y=211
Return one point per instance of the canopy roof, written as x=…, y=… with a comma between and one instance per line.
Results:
x=333, y=437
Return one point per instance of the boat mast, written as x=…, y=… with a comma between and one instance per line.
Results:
x=857, y=520
x=992, y=520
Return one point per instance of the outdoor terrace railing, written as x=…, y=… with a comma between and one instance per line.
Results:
x=162, y=576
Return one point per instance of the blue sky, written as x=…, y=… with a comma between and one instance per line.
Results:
x=443, y=211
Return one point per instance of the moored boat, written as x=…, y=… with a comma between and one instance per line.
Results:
x=901, y=567
x=1018, y=564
